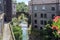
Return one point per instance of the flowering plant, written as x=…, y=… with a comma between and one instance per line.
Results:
x=56, y=24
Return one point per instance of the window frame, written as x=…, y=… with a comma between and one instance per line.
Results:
x=53, y=16
x=35, y=26
x=41, y=22
x=35, y=8
x=35, y=21
x=53, y=8
x=41, y=15
x=45, y=15
x=45, y=22
x=35, y=14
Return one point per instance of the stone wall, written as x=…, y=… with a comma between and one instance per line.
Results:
x=7, y=33
x=1, y=25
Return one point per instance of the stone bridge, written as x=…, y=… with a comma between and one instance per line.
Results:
x=6, y=32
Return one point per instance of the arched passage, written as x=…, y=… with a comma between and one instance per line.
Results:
x=26, y=14
x=19, y=13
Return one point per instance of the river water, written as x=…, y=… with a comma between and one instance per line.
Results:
x=24, y=27
x=25, y=34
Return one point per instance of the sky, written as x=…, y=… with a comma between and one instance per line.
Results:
x=26, y=1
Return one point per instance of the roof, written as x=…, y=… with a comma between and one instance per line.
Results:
x=44, y=1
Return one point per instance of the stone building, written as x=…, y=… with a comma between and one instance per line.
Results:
x=13, y=8
x=30, y=7
x=7, y=10
x=43, y=10
x=1, y=6
x=1, y=25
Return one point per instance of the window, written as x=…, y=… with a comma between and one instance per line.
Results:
x=30, y=8
x=53, y=16
x=1, y=9
x=45, y=22
x=45, y=15
x=35, y=7
x=41, y=22
x=43, y=8
x=53, y=8
x=0, y=2
x=41, y=27
x=35, y=21
x=41, y=15
x=35, y=26
x=35, y=15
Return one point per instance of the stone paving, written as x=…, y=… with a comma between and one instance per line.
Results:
x=6, y=32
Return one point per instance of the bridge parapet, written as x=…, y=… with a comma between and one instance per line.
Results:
x=1, y=25
x=8, y=32
x=12, y=34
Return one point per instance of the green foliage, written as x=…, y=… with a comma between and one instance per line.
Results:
x=17, y=32
x=14, y=20
x=22, y=7
x=16, y=29
x=47, y=33
x=57, y=23
x=35, y=33
x=50, y=22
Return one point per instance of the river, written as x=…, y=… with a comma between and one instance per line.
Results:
x=24, y=31
x=25, y=34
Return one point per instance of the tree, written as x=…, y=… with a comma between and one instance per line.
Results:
x=16, y=29
x=22, y=7
x=17, y=32
x=47, y=33
x=52, y=30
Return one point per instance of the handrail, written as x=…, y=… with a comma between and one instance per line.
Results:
x=11, y=32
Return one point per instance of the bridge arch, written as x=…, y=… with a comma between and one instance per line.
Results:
x=19, y=13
